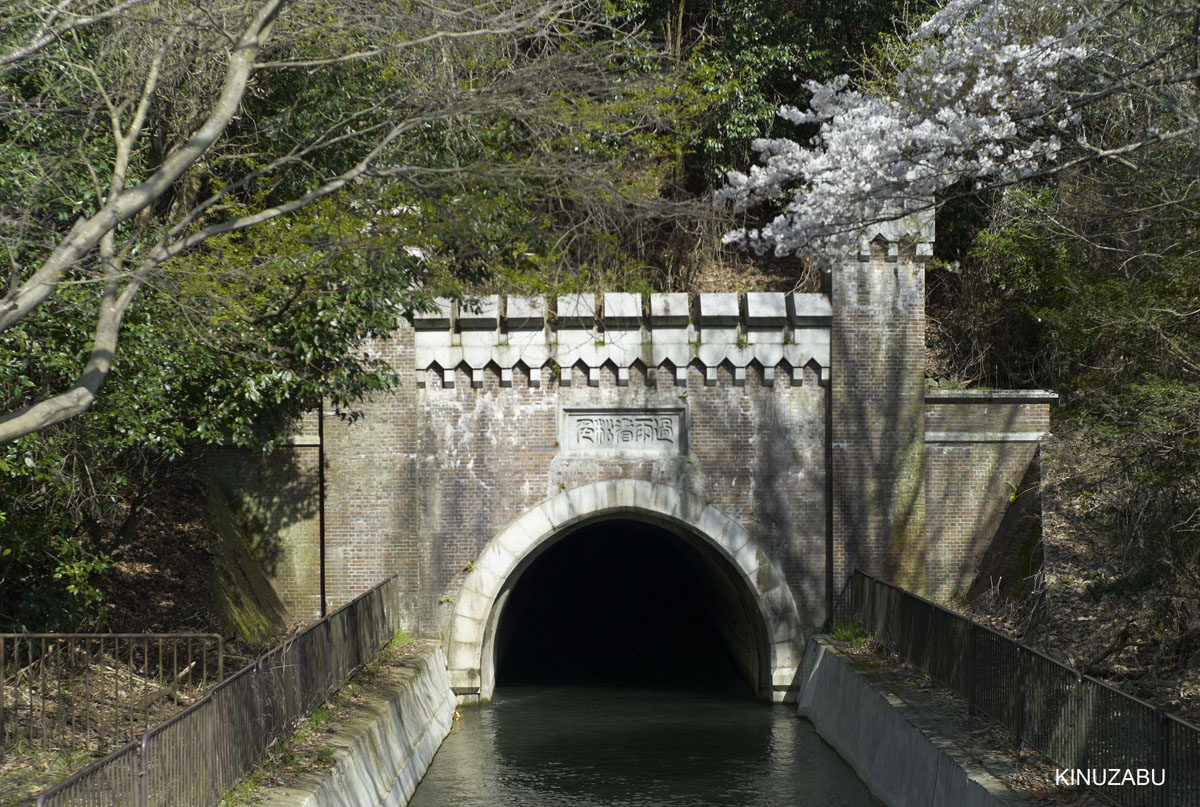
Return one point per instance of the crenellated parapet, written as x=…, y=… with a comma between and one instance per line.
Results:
x=778, y=332
x=914, y=231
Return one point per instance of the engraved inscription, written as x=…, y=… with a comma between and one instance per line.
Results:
x=637, y=431
x=600, y=431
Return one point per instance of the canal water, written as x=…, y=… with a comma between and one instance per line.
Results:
x=591, y=746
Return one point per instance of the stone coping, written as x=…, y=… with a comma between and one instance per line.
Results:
x=990, y=396
x=574, y=335
x=987, y=437
x=753, y=308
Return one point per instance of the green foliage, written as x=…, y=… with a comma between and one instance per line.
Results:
x=743, y=58
x=532, y=169
x=398, y=640
x=229, y=348
x=849, y=631
x=1089, y=285
x=31, y=770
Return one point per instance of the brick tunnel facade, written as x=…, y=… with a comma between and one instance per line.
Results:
x=800, y=420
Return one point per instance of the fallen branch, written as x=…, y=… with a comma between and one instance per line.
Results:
x=1119, y=642
x=164, y=691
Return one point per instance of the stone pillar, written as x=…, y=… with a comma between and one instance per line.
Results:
x=878, y=391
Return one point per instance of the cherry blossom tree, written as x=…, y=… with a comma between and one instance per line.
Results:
x=986, y=93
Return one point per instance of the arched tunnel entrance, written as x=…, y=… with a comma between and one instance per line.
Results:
x=627, y=602
x=736, y=587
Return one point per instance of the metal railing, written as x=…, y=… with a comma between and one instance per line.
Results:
x=96, y=691
x=191, y=759
x=1082, y=724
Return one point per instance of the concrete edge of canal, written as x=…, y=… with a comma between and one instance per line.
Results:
x=870, y=730
x=381, y=753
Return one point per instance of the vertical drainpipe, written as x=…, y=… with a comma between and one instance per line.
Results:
x=828, y=505
x=321, y=499
x=829, y=500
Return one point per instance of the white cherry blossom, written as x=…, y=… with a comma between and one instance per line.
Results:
x=984, y=98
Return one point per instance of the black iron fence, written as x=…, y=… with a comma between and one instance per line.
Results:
x=191, y=759
x=96, y=691
x=1123, y=748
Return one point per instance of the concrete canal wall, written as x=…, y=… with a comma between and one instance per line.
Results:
x=901, y=764
x=383, y=750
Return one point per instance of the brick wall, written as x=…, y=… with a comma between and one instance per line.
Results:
x=878, y=382
x=420, y=479
x=982, y=503
x=426, y=477
x=272, y=501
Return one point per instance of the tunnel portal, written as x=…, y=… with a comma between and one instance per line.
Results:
x=630, y=603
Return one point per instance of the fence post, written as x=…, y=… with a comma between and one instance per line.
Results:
x=1020, y=721
x=929, y=643
x=1077, y=733
x=140, y=796
x=971, y=710
x=1164, y=756
x=141, y=792
x=868, y=595
x=3, y=678
x=858, y=598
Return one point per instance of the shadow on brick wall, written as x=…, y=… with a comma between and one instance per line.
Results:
x=1015, y=553
x=983, y=516
x=878, y=383
x=264, y=511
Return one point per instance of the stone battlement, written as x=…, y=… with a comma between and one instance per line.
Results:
x=771, y=329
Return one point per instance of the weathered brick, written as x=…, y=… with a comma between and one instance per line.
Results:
x=421, y=480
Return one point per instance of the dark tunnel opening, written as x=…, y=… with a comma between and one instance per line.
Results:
x=627, y=603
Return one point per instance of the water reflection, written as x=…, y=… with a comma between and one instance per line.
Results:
x=585, y=747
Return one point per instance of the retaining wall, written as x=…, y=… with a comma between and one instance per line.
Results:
x=983, y=506
x=383, y=750
x=900, y=764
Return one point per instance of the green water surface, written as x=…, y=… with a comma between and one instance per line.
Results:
x=589, y=746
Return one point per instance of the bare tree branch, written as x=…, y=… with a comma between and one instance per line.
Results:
x=86, y=233
x=80, y=396
x=155, y=201
x=47, y=34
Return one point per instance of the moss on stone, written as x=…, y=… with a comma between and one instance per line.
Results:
x=246, y=604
